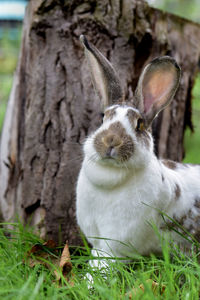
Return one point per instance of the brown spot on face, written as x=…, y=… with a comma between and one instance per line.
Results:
x=110, y=113
x=138, y=126
x=133, y=117
x=98, y=142
x=117, y=128
x=177, y=192
x=127, y=148
x=114, y=138
x=170, y=164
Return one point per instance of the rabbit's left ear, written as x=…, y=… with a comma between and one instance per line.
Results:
x=157, y=86
x=104, y=77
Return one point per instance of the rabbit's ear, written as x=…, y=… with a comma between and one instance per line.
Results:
x=104, y=77
x=157, y=86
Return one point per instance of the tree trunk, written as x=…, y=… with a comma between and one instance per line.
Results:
x=53, y=106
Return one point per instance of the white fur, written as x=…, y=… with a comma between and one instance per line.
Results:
x=120, y=202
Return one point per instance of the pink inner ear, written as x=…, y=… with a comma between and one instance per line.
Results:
x=157, y=88
x=148, y=102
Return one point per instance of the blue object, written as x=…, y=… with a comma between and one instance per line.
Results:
x=12, y=9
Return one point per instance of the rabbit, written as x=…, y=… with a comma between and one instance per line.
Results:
x=122, y=186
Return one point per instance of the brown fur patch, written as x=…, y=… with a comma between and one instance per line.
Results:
x=142, y=135
x=170, y=225
x=190, y=223
x=114, y=137
x=197, y=202
x=170, y=164
x=117, y=128
x=133, y=116
x=110, y=113
x=177, y=192
x=163, y=178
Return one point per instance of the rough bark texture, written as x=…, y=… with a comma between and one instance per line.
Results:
x=53, y=106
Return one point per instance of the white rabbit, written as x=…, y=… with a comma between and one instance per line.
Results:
x=122, y=185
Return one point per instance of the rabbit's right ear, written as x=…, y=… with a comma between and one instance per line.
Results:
x=157, y=86
x=104, y=77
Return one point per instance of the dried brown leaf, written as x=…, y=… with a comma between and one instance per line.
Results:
x=50, y=244
x=65, y=262
x=65, y=266
x=39, y=254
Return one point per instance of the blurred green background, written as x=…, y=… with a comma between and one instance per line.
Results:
x=192, y=139
x=9, y=49
x=10, y=37
x=189, y=9
x=11, y=17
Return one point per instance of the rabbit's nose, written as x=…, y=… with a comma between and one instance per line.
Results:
x=111, y=141
x=111, y=152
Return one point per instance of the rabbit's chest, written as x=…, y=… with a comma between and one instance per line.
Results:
x=123, y=226
x=119, y=215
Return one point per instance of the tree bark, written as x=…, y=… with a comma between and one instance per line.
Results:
x=53, y=106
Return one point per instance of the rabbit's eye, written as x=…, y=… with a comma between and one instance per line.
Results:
x=140, y=125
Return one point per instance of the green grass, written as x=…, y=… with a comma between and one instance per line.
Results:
x=18, y=281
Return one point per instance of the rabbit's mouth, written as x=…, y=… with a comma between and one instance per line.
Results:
x=110, y=153
x=120, y=153
x=112, y=158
